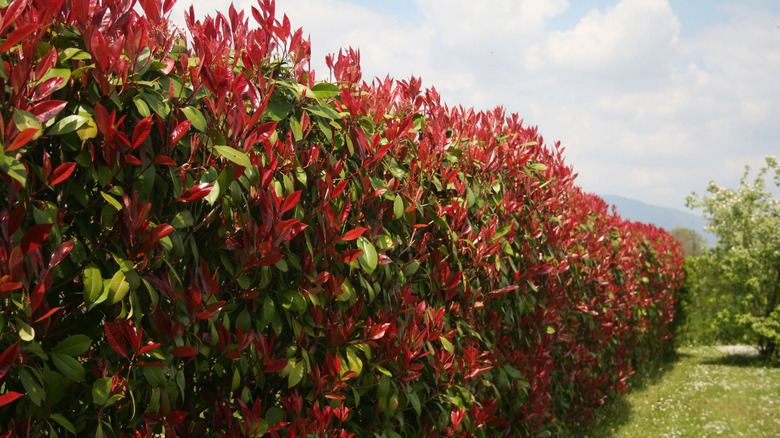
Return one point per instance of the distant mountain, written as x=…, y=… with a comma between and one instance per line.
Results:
x=666, y=218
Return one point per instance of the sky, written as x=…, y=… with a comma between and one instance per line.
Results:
x=652, y=99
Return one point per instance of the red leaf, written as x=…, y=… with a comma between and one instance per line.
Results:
x=383, y=259
x=197, y=192
x=22, y=139
x=132, y=160
x=48, y=109
x=11, y=13
x=378, y=331
x=164, y=160
x=8, y=358
x=274, y=366
x=269, y=260
x=322, y=277
x=175, y=417
x=150, y=364
x=46, y=166
x=99, y=51
x=350, y=255
x=353, y=234
x=148, y=347
x=162, y=230
x=62, y=172
x=264, y=131
x=287, y=229
x=47, y=87
x=340, y=188
x=60, y=253
x=185, y=351
x=18, y=35
x=36, y=297
x=102, y=119
x=34, y=237
x=291, y=201
x=179, y=131
x=10, y=286
x=47, y=314
x=15, y=221
x=16, y=263
x=9, y=397
x=116, y=339
x=141, y=131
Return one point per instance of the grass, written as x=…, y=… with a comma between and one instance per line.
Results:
x=706, y=392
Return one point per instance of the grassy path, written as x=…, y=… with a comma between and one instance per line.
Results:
x=708, y=392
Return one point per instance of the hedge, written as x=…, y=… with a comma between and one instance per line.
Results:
x=199, y=237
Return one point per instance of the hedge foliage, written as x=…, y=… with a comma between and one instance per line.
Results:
x=198, y=237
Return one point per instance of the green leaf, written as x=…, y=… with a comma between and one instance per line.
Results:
x=411, y=268
x=267, y=313
x=155, y=102
x=26, y=332
x=14, y=169
x=414, y=400
x=32, y=386
x=75, y=54
x=353, y=361
x=196, y=117
x=118, y=288
x=292, y=301
x=368, y=258
x=502, y=231
x=111, y=200
x=24, y=120
x=101, y=390
x=68, y=366
x=67, y=124
x=89, y=130
x=398, y=207
x=183, y=219
x=62, y=421
x=323, y=111
x=142, y=107
x=447, y=344
x=512, y=372
x=348, y=291
x=57, y=72
x=325, y=90
x=234, y=155
x=93, y=284
x=73, y=345
x=296, y=374
x=384, y=242
x=382, y=370
x=278, y=110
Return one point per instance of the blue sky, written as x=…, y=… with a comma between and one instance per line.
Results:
x=653, y=99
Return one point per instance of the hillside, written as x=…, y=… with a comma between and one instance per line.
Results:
x=667, y=218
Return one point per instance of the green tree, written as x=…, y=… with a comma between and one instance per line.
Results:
x=745, y=265
x=691, y=241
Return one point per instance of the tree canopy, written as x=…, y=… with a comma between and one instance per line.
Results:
x=745, y=264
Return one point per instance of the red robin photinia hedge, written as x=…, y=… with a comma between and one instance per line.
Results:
x=199, y=237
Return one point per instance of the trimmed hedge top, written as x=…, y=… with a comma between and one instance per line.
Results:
x=205, y=240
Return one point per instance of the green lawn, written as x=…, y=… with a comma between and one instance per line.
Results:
x=707, y=392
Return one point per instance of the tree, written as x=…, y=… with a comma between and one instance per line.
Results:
x=746, y=261
x=691, y=241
